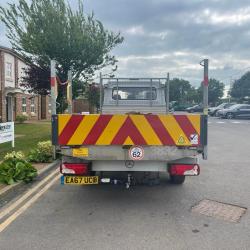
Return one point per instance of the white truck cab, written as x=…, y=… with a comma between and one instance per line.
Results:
x=140, y=96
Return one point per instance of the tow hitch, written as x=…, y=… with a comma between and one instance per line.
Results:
x=129, y=181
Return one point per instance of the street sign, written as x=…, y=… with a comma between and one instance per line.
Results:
x=7, y=132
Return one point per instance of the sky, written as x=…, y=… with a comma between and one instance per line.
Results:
x=173, y=36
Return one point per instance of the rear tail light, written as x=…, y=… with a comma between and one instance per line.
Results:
x=74, y=168
x=184, y=169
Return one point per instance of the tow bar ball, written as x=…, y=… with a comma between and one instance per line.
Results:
x=128, y=183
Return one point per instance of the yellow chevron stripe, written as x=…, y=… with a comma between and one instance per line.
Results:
x=62, y=122
x=140, y=122
x=174, y=130
x=83, y=130
x=146, y=130
x=111, y=130
x=128, y=141
x=195, y=120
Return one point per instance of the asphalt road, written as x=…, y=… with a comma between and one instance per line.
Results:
x=158, y=217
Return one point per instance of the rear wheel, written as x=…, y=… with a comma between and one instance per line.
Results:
x=177, y=179
x=216, y=113
x=229, y=115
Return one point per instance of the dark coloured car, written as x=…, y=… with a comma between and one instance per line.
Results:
x=235, y=111
x=195, y=108
x=178, y=106
x=213, y=111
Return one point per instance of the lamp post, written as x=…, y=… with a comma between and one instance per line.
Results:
x=167, y=93
x=204, y=63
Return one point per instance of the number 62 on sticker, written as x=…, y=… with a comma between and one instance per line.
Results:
x=136, y=153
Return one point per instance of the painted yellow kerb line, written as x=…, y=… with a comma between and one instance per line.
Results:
x=22, y=209
x=25, y=196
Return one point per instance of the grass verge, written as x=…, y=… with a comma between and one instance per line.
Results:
x=27, y=136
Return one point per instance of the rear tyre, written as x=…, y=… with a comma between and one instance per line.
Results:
x=229, y=115
x=177, y=179
x=212, y=113
x=216, y=113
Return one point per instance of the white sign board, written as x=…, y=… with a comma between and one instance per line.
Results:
x=7, y=132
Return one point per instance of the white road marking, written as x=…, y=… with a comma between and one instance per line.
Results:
x=22, y=209
x=227, y=121
x=25, y=196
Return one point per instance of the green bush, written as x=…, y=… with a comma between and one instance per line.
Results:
x=43, y=152
x=21, y=118
x=16, y=169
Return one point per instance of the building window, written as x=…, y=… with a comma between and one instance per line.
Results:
x=32, y=105
x=8, y=69
x=24, y=104
x=49, y=105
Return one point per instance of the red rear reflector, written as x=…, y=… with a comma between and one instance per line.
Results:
x=74, y=168
x=184, y=169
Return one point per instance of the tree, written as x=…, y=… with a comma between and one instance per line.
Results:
x=193, y=95
x=50, y=29
x=37, y=79
x=241, y=87
x=215, y=91
x=93, y=93
x=181, y=91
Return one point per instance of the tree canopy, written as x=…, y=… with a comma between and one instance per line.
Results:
x=215, y=91
x=182, y=91
x=241, y=87
x=41, y=30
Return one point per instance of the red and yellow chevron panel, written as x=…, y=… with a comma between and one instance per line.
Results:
x=175, y=130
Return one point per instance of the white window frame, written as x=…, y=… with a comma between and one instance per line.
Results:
x=24, y=105
x=8, y=69
x=32, y=105
x=49, y=105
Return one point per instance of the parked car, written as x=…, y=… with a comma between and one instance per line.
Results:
x=178, y=106
x=195, y=108
x=213, y=110
x=235, y=111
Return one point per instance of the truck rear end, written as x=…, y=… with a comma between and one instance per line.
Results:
x=133, y=134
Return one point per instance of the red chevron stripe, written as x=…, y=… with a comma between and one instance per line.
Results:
x=186, y=125
x=70, y=128
x=97, y=129
x=128, y=129
x=160, y=130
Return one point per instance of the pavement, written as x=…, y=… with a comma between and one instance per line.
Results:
x=157, y=217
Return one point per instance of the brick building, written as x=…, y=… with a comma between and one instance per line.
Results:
x=15, y=100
